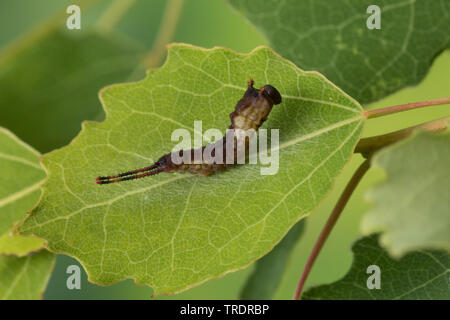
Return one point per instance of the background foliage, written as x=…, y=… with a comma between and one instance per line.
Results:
x=423, y=273
x=334, y=32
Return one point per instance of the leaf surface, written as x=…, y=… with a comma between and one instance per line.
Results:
x=332, y=38
x=20, y=179
x=173, y=231
x=419, y=275
x=25, y=278
x=411, y=207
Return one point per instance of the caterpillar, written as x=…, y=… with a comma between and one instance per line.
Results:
x=249, y=114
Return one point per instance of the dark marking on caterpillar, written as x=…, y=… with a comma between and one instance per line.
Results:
x=249, y=114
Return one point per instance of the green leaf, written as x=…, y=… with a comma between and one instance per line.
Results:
x=50, y=86
x=265, y=279
x=411, y=206
x=418, y=275
x=20, y=179
x=173, y=231
x=25, y=278
x=332, y=38
x=16, y=245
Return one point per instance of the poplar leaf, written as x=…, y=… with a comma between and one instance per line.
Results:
x=419, y=275
x=174, y=231
x=23, y=272
x=411, y=206
x=332, y=37
x=20, y=178
x=25, y=278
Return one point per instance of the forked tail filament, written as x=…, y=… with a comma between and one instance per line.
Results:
x=130, y=175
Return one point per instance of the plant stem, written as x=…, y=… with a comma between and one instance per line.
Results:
x=339, y=207
x=165, y=33
x=113, y=14
x=404, y=107
x=369, y=145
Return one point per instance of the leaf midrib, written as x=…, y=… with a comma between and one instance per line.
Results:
x=17, y=278
x=20, y=194
x=169, y=180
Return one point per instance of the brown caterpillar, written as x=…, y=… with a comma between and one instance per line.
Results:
x=249, y=114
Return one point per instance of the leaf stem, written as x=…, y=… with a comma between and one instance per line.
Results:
x=404, y=107
x=369, y=145
x=339, y=207
x=165, y=33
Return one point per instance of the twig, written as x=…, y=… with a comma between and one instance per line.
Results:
x=404, y=107
x=369, y=145
x=339, y=207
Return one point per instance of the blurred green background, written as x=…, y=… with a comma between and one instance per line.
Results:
x=206, y=23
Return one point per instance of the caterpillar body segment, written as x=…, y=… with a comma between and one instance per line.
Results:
x=249, y=114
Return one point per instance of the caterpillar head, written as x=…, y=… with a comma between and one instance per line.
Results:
x=270, y=93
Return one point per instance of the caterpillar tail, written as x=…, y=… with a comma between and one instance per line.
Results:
x=130, y=175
